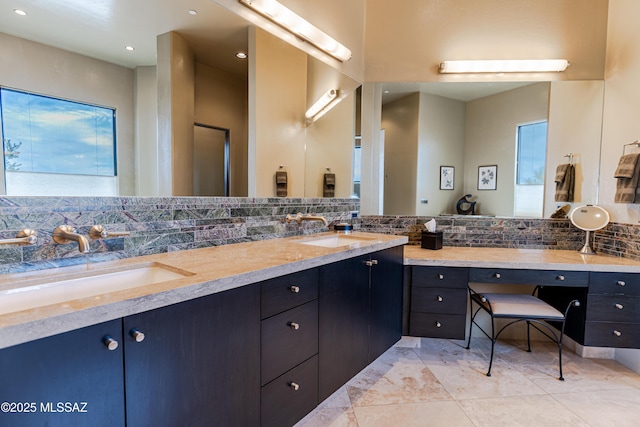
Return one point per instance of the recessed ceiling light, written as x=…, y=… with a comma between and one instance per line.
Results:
x=241, y=55
x=193, y=12
x=386, y=91
x=20, y=12
x=130, y=48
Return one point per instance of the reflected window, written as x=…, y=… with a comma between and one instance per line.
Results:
x=357, y=168
x=46, y=139
x=530, y=166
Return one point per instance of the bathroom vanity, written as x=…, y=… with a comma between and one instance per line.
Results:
x=258, y=334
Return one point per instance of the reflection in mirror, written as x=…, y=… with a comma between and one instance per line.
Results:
x=469, y=126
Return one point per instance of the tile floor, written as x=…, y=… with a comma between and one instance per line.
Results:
x=435, y=382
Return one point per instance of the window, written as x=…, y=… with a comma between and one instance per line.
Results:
x=530, y=166
x=45, y=138
x=357, y=168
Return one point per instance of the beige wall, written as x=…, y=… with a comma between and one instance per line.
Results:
x=401, y=124
x=441, y=143
x=221, y=100
x=276, y=135
x=490, y=135
x=146, y=128
x=423, y=33
x=45, y=70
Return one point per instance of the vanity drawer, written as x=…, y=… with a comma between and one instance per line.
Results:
x=439, y=277
x=529, y=277
x=437, y=325
x=283, y=293
x=613, y=308
x=614, y=283
x=439, y=300
x=284, y=404
x=288, y=339
x=612, y=334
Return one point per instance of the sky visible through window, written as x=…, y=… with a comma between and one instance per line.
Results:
x=43, y=134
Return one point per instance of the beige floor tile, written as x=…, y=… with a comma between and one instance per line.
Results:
x=339, y=399
x=329, y=417
x=618, y=408
x=431, y=414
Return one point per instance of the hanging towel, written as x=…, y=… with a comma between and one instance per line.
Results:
x=565, y=182
x=627, y=174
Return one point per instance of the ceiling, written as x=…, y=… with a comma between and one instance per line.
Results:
x=463, y=91
x=102, y=28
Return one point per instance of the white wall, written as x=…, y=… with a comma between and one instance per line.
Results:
x=146, y=128
x=45, y=70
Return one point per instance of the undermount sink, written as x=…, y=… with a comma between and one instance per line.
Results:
x=78, y=286
x=335, y=241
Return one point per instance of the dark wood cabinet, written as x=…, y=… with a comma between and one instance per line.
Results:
x=67, y=380
x=199, y=363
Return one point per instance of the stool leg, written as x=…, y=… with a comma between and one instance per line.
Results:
x=493, y=344
x=528, y=336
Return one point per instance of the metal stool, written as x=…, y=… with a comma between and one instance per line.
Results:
x=520, y=308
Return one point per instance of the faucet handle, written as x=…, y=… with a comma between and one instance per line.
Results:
x=99, y=232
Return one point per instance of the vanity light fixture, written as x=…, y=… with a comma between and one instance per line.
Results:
x=322, y=105
x=504, y=66
x=299, y=26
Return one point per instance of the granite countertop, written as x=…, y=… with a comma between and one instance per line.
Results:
x=538, y=259
x=211, y=270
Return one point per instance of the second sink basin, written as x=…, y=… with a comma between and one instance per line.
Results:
x=336, y=241
x=90, y=284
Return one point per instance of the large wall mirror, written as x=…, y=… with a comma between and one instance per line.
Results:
x=441, y=139
x=222, y=91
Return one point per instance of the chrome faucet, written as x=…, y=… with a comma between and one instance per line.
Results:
x=299, y=218
x=67, y=234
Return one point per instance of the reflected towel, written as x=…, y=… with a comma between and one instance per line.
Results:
x=565, y=185
x=627, y=190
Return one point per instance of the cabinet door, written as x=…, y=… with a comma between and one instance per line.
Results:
x=198, y=364
x=70, y=379
x=386, y=301
x=343, y=322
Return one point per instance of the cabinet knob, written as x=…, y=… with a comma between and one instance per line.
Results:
x=438, y=324
x=619, y=306
x=440, y=276
x=496, y=275
x=620, y=283
x=294, y=386
x=617, y=333
x=293, y=325
x=560, y=277
x=439, y=298
x=136, y=335
x=110, y=343
x=295, y=289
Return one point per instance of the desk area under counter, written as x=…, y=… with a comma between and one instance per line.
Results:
x=608, y=287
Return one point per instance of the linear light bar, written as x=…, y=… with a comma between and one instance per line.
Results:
x=299, y=26
x=504, y=66
x=322, y=105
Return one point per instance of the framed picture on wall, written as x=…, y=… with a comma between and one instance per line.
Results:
x=446, y=177
x=487, y=177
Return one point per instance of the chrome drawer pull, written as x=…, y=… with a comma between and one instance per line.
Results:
x=110, y=343
x=293, y=325
x=439, y=298
x=620, y=283
x=440, y=276
x=295, y=289
x=496, y=275
x=136, y=335
x=438, y=324
x=294, y=386
x=619, y=306
x=617, y=333
x=560, y=277
x=371, y=263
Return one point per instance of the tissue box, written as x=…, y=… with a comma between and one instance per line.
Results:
x=432, y=240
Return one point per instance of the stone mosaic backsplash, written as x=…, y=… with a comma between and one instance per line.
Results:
x=156, y=224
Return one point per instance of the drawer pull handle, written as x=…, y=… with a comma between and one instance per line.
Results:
x=620, y=283
x=293, y=325
x=294, y=386
x=439, y=298
x=440, y=276
x=110, y=343
x=371, y=263
x=560, y=277
x=438, y=324
x=617, y=333
x=496, y=275
x=619, y=306
x=295, y=289
x=136, y=335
